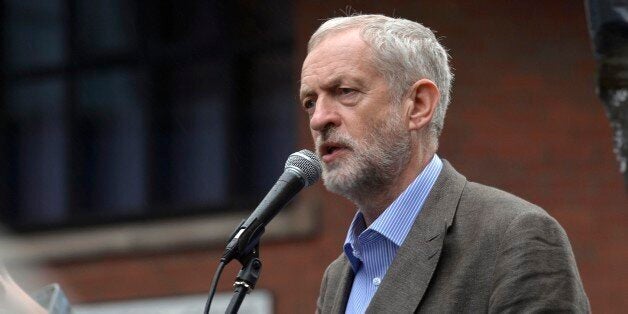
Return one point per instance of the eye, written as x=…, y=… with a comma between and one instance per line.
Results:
x=309, y=103
x=346, y=91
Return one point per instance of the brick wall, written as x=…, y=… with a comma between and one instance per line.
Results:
x=524, y=118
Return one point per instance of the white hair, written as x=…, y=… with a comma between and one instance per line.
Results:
x=404, y=52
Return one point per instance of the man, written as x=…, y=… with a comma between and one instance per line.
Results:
x=424, y=239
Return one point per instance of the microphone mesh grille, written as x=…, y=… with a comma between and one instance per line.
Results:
x=307, y=164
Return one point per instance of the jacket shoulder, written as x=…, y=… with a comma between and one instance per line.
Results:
x=496, y=202
x=533, y=266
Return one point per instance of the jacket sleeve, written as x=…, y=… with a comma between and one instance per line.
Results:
x=535, y=270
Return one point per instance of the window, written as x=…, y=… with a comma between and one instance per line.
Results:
x=117, y=110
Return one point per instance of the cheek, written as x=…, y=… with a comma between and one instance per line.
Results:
x=367, y=125
x=358, y=128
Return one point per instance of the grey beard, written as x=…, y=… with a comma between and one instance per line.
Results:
x=374, y=163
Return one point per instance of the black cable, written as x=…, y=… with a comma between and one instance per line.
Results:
x=212, y=289
x=236, y=300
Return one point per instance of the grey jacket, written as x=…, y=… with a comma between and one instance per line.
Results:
x=472, y=249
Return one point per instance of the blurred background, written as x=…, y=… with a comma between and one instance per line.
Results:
x=135, y=135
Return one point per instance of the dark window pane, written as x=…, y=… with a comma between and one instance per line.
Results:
x=181, y=22
x=35, y=33
x=121, y=110
x=199, y=146
x=39, y=147
x=105, y=26
x=110, y=142
x=273, y=135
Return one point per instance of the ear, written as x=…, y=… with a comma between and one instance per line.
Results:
x=421, y=102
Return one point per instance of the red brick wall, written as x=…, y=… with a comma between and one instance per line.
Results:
x=524, y=118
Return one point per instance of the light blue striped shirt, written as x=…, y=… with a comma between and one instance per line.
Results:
x=371, y=251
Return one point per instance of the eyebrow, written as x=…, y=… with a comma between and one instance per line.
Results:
x=305, y=91
x=334, y=81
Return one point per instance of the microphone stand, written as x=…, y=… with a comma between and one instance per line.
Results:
x=302, y=169
x=246, y=279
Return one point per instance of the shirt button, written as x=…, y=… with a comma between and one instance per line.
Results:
x=356, y=253
x=377, y=281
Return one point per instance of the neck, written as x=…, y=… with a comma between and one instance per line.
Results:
x=374, y=202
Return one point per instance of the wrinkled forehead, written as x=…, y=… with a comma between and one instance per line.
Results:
x=342, y=38
x=339, y=57
x=344, y=46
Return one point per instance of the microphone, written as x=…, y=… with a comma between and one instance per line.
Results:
x=302, y=169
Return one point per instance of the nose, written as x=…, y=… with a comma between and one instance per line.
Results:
x=325, y=115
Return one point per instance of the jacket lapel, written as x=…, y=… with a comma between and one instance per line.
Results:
x=344, y=288
x=409, y=274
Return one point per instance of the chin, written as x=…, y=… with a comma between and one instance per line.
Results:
x=339, y=181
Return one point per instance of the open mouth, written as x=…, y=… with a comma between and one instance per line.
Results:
x=330, y=151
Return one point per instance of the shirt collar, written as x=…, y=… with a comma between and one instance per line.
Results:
x=352, y=242
x=395, y=222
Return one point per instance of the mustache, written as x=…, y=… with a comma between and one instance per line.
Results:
x=334, y=136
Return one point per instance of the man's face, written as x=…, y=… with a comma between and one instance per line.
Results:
x=360, y=135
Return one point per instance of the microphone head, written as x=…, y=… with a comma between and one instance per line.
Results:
x=306, y=164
